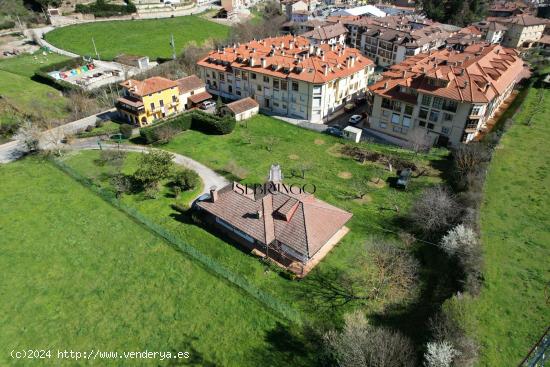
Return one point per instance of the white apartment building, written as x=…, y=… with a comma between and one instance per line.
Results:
x=444, y=97
x=288, y=76
x=523, y=30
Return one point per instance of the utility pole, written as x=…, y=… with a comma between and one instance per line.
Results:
x=95, y=48
x=172, y=43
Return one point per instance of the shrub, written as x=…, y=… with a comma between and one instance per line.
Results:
x=434, y=211
x=186, y=179
x=103, y=9
x=126, y=130
x=7, y=24
x=211, y=124
x=439, y=354
x=89, y=128
x=99, y=123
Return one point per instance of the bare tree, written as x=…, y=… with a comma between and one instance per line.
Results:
x=468, y=157
x=29, y=134
x=435, y=210
x=359, y=344
x=270, y=141
x=303, y=167
x=419, y=140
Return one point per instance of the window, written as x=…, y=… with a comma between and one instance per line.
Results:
x=396, y=105
x=245, y=76
x=385, y=113
x=395, y=117
x=406, y=121
x=152, y=105
x=222, y=77
x=423, y=113
x=430, y=126
x=449, y=105
x=434, y=116
x=409, y=109
x=422, y=123
x=266, y=79
x=426, y=100
x=284, y=85
x=476, y=110
x=445, y=130
x=237, y=73
x=230, y=89
x=317, y=102
x=275, y=84
x=437, y=103
x=161, y=102
x=275, y=104
x=386, y=103
x=238, y=92
x=316, y=89
x=259, y=87
x=295, y=86
x=447, y=116
x=382, y=125
x=253, y=75
x=175, y=98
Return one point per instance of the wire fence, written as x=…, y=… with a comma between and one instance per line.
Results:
x=212, y=265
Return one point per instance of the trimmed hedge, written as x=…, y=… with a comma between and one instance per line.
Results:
x=102, y=9
x=196, y=120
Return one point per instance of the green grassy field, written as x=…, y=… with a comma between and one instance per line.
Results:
x=80, y=275
x=294, y=146
x=23, y=94
x=139, y=37
x=512, y=311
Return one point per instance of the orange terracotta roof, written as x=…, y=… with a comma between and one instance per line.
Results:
x=478, y=74
x=289, y=57
x=242, y=105
x=199, y=97
x=189, y=83
x=148, y=86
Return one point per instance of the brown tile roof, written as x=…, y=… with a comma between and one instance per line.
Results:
x=289, y=57
x=242, y=105
x=148, y=86
x=524, y=20
x=199, y=97
x=131, y=101
x=478, y=74
x=299, y=221
x=189, y=83
x=324, y=33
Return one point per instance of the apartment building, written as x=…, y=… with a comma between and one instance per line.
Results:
x=522, y=30
x=390, y=40
x=444, y=97
x=492, y=32
x=330, y=34
x=288, y=76
x=145, y=101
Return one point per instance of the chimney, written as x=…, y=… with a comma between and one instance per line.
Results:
x=264, y=62
x=352, y=60
x=252, y=63
x=275, y=174
x=259, y=214
x=385, y=85
x=326, y=69
x=311, y=49
x=214, y=194
x=291, y=45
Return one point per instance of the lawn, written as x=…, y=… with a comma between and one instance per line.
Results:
x=137, y=37
x=80, y=275
x=22, y=95
x=246, y=149
x=512, y=311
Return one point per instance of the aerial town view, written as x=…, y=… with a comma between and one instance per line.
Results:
x=275, y=183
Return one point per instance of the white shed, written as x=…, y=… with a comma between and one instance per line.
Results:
x=352, y=133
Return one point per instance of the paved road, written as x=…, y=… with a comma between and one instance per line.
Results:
x=15, y=149
x=209, y=177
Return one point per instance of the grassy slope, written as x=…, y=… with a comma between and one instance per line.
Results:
x=512, y=310
x=140, y=37
x=216, y=151
x=78, y=274
x=25, y=94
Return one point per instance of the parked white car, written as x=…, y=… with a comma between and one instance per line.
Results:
x=355, y=119
x=206, y=105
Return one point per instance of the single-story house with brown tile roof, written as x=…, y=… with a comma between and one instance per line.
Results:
x=241, y=109
x=288, y=224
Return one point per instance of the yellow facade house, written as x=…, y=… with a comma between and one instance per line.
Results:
x=145, y=101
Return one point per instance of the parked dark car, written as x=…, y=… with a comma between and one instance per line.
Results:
x=403, y=179
x=333, y=130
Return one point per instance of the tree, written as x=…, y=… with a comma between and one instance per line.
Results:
x=154, y=166
x=459, y=241
x=270, y=142
x=434, y=210
x=360, y=187
x=385, y=274
x=303, y=167
x=457, y=12
x=469, y=157
x=362, y=345
x=219, y=105
x=186, y=179
x=29, y=134
x=439, y=354
x=121, y=184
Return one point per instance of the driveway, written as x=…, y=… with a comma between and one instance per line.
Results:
x=209, y=177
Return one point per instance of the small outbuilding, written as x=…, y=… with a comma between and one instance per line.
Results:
x=352, y=133
x=241, y=109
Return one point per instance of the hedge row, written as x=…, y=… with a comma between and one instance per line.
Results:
x=7, y=24
x=196, y=120
x=102, y=9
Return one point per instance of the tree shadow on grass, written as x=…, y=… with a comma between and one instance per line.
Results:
x=196, y=358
